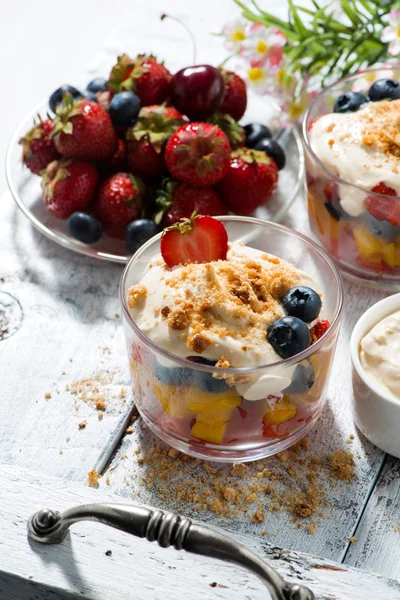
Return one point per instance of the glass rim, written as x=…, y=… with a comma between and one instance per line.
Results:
x=306, y=140
x=240, y=370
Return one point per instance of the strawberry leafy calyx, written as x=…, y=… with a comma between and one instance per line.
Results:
x=55, y=172
x=127, y=70
x=154, y=122
x=139, y=188
x=233, y=131
x=121, y=72
x=35, y=133
x=184, y=225
x=203, y=149
x=65, y=111
x=164, y=199
x=251, y=156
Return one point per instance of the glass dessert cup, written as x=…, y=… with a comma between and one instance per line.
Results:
x=365, y=252
x=203, y=416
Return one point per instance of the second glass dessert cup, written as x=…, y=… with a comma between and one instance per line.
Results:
x=205, y=416
x=365, y=250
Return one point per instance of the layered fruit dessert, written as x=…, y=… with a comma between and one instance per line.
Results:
x=226, y=322
x=354, y=186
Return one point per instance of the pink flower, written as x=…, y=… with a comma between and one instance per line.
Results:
x=263, y=45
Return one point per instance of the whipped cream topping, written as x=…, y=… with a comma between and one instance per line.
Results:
x=380, y=355
x=361, y=147
x=212, y=310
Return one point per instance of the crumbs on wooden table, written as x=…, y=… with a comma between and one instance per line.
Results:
x=294, y=481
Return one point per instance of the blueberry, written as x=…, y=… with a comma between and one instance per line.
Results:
x=337, y=212
x=289, y=336
x=124, y=108
x=302, y=302
x=205, y=381
x=384, y=89
x=382, y=229
x=84, y=228
x=173, y=375
x=254, y=133
x=57, y=96
x=138, y=232
x=273, y=150
x=302, y=379
x=349, y=101
x=91, y=96
x=97, y=85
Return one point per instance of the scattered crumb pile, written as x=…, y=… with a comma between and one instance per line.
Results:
x=96, y=391
x=294, y=481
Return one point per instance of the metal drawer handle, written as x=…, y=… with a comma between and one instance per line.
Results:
x=168, y=529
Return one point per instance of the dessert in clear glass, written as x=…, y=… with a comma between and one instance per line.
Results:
x=230, y=358
x=352, y=149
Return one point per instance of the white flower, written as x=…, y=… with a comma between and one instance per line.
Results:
x=259, y=79
x=391, y=33
x=235, y=32
x=263, y=44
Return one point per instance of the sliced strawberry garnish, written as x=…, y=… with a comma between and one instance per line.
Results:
x=384, y=209
x=197, y=240
x=319, y=329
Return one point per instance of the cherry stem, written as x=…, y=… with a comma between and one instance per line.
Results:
x=165, y=16
x=228, y=58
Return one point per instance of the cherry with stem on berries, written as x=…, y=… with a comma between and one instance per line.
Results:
x=196, y=91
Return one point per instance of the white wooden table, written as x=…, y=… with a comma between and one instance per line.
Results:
x=71, y=333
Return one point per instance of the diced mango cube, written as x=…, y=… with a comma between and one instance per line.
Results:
x=201, y=401
x=209, y=433
x=282, y=411
x=368, y=244
x=210, y=426
x=172, y=399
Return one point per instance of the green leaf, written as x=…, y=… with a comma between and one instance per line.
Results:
x=349, y=11
x=302, y=30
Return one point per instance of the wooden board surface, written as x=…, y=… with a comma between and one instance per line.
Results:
x=80, y=567
x=67, y=356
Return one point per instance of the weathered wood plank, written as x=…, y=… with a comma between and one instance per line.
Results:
x=69, y=333
x=80, y=566
x=378, y=533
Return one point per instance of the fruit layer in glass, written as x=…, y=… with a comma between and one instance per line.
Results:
x=366, y=246
x=203, y=416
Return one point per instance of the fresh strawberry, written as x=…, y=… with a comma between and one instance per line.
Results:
x=68, y=186
x=83, y=129
x=200, y=239
x=319, y=329
x=146, y=138
x=116, y=163
x=234, y=101
x=179, y=200
x=231, y=128
x=198, y=153
x=251, y=181
x=143, y=75
x=384, y=209
x=119, y=202
x=38, y=149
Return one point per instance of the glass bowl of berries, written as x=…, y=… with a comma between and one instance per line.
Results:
x=231, y=326
x=103, y=168
x=352, y=150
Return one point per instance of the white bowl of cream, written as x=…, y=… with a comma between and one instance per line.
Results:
x=375, y=355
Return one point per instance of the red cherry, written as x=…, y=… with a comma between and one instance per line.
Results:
x=197, y=91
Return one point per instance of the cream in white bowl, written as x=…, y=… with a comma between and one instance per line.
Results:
x=375, y=354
